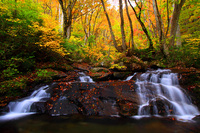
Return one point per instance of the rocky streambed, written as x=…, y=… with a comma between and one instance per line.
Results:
x=108, y=98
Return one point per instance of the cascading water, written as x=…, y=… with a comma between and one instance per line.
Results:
x=84, y=78
x=161, y=95
x=23, y=107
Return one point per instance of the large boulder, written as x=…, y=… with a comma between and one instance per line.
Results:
x=100, y=74
x=109, y=98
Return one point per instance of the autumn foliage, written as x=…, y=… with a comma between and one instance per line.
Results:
x=32, y=41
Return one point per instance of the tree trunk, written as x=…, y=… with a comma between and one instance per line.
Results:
x=67, y=16
x=66, y=27
x=174, y=21
x=122, y=26
x=159, y=26
x=138, y=16
x=156, y=16
x=178, y=39
x=131, y=26
x=110, y=26
x=15, y=11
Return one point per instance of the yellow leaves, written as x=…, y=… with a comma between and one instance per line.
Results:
x=118, y=66
x=16, y=20
x=94, y=52
x=74, y=39
x=49, y=38
x=3, y=8
x=191, y=40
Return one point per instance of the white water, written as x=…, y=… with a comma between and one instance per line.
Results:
x=85, y=78
x=22, y=108
x=152, y=85
x=130, y=77
x=163, y=85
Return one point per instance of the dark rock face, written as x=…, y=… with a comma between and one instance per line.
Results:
x=197, y=118
x=38, y=107
x=163, y=107
x=100, y=99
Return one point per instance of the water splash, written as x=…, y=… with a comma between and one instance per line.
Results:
x=130, y=77
x=84, y=78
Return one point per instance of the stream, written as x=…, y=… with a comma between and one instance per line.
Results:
x=149, y=102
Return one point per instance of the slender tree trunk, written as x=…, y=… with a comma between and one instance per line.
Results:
x=110, y=26
x=148, y=20
x=156, y=16
x=84, y=28
x=174, y=21
x=138, y=16
x=94, y=24
x=131, y=26
x=159, y=27
x=167, y=19
x=15, y=11
x=122, y=25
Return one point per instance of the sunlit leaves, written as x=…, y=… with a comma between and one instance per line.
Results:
x=49, y=37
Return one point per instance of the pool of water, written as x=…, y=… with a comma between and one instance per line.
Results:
x=82, y=124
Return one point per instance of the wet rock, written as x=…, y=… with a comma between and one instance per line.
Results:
x=197, y=118
x=5, y=109
x=63, y=106
x=39, y=107
x=127, y=108
x=97, y=99
x=100, y=74
x=99, y=69
x=161, y=107
x=82, y=66
x=120, y=75
x=109, y=107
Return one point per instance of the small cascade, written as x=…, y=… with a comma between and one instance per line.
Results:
x=161, y=95
x=84, y=78
x=23, y=107
x=130, y=77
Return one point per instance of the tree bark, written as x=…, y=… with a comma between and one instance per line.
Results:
x=67, y=16
x=159, y=26
x=178, y=39
x=131, y=26
x=174, y=21
x=122, y=25
x=110, y=26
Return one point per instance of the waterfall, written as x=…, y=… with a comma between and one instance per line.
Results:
x=161, y=95
x=130, y=77
x=84, y=78
x=22, y=107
